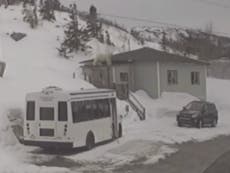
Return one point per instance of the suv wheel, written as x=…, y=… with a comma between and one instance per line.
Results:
x=199, y=124
x=214, y=122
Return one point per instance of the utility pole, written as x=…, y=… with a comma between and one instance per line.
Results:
x=1, y=38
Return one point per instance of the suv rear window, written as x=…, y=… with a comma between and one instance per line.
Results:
x=62, y=111
x=46, y=114
x=30, y=111
x=211, y=107
x=196, y=106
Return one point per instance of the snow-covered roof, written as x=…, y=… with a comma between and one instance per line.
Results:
x=51, y=92
x=150, y=54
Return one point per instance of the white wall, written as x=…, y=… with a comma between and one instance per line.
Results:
x=145, y=77
x=184, y=79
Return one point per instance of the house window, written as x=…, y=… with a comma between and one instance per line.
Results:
x=124, y=77
x=172, y=77
x=195, y=78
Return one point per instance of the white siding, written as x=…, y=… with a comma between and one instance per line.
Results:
x=145, y=77
x=184, y=79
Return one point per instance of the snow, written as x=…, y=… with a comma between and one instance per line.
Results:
x=33, y=63
x=152, y=139
x=31, y=66
x=198, y=13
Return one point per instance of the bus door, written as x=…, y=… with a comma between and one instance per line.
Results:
x=47, y=120
x=114, y=117
x=62, y=119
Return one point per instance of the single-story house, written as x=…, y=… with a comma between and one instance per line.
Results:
x=150, y=70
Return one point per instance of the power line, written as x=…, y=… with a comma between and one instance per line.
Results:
x=158, y=23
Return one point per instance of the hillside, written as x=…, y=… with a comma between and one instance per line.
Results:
x=189, y=42
x=32, y=64
x=203, y=42
x=190, y=13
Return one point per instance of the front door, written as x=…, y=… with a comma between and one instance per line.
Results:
x=122, y=90
x=62, y=119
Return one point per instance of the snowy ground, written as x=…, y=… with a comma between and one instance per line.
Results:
x=33, y=63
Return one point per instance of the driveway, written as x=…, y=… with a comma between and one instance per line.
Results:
x=192, y=157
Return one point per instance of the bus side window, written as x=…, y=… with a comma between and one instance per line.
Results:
x=107, y=108
x=80, y=111
x=30, y=111
x=94, y=110
x=90, y=110
x=103, y=108
x=62, y=111
x=75, y=107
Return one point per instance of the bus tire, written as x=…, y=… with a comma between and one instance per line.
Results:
x=90, y=141
x=120, y=131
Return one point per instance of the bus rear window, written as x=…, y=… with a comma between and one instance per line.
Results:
x=46, y=114
x=62, y=111
x=30, y=111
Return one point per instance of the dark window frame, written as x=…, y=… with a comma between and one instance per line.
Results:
x=62, y=111
x=30, y=117
x=43, y=111
x=211, y=107
x=124, y=76
x=195, y=78
x=46, y=132
x=172, y=77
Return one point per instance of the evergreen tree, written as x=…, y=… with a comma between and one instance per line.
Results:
x=30, y=14
x=75, y=37
x=56, y=5
x=47, y=10
x=164, y=41
x=94, y=28
x=108, y=39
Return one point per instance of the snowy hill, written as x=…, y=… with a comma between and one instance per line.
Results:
x=189, y=42
x=32, y=64
x=192, y=13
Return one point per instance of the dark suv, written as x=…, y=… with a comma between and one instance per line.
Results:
x=198, y=114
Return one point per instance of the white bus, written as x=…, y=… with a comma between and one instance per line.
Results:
x=60, y=119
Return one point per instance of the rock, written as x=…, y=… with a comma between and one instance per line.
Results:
x=16, y=36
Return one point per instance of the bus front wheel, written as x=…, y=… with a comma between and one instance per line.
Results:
x=90, y=141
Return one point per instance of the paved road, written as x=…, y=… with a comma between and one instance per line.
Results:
x=212, y=156
x=221, y=165
x=192, y=157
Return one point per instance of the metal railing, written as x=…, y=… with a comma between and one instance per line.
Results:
x=137, y=106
